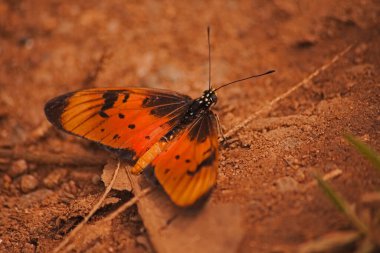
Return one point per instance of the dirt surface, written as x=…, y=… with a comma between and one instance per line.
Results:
x=51, y=47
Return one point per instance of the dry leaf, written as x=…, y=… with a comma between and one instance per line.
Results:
x=211, y=228
x=122, y=182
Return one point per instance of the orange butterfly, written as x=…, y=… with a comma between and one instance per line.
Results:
x=168, y=132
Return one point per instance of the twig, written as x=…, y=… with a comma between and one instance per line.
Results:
x=53, y=159
x=266, y=108
x=128, y=204
x=326, y=177
x=61, y=246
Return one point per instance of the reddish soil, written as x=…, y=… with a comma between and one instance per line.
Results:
x=51, y=47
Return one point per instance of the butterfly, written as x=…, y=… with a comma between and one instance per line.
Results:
x=165, y=131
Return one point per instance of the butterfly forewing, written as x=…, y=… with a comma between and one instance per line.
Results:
x=127, y=120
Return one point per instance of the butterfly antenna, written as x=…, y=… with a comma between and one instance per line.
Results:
x=209, y=58
x=243, y=79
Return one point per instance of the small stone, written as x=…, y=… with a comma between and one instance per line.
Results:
x=4, y=164
x=285, y=184
x=18, y=168
x=38, y=197
x=365, y=137
x=361, y=48
x=28, y=248
x=28, y=183
x=6, y=181
x=143, y=241
x=233, y=145
x=95, y=179
x=54, y=178
x=70, y=188
x=110, y=201
x=300, y=176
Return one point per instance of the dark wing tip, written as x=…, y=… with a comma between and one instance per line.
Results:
x=55, y=107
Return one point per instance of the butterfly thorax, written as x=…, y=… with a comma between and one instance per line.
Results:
x=200, y=106
x=196, y=109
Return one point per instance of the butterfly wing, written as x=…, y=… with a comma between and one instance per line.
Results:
x=128, y=121
x=187, y=169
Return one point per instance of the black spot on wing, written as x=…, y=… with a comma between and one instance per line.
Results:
x=110, y=98
x=206, y=162
x=126, y=96
x=103, y=114
x=131, y=126
x=121, y=116
x=55, y=107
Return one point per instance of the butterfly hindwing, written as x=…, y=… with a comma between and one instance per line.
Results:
x=187, y=169
x=128, y=120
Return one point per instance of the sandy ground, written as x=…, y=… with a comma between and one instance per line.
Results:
x=51, y=47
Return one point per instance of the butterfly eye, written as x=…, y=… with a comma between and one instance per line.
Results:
x=214, y=98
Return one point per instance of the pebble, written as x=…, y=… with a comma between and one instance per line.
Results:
x=300, y=176
x=95, y=179
x=143, y=241
x=28, y=183
x=361, y=48
x=70, y=188
x=285, y=184
x=28, y=248
x=38, y=197
x=18, y=168
x=6, y=181
x=54, y=178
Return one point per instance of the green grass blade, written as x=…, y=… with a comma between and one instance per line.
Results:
x=365, y=150
x=342, y=205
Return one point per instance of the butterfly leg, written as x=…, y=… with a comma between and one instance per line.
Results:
x=220, y=129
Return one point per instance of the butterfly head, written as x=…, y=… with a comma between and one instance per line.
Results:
x=208, y=98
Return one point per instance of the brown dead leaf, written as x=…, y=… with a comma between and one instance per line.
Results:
x=122, y=182
x=212, y=228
